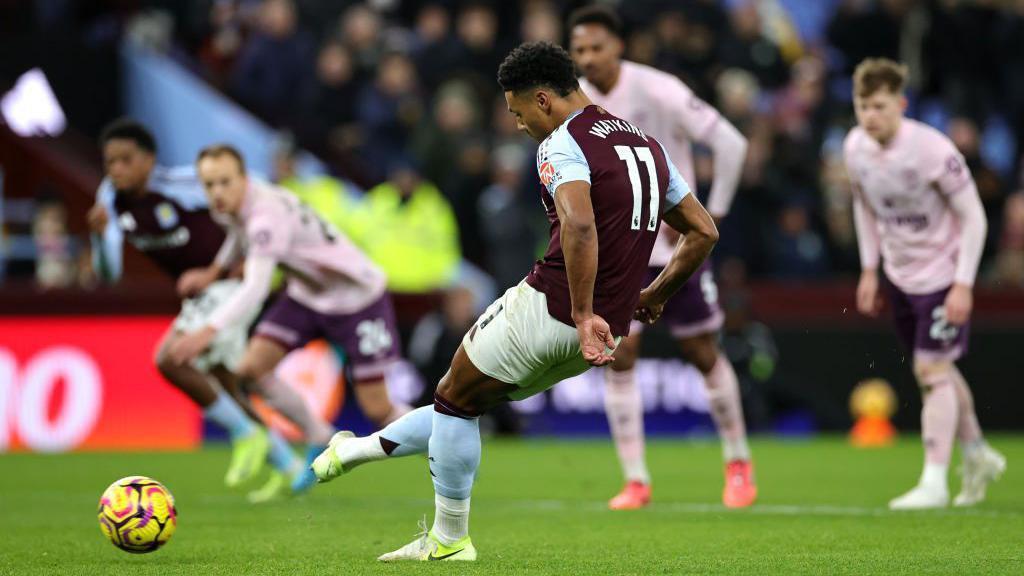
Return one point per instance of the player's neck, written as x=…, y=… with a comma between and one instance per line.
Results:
x=613, y=81
x=891, y=137
x=577, y=100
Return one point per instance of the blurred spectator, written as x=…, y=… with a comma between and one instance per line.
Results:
x=1008, y=268
x=964, y=134
x=541, y=23
x=273, y=76
x=360, y=30
x=748, y=48
x=511, y=228
x=436, y=51
x=326, y=195
x=55, y=260
x=388, y=111
x=479, y=52
x=408, y=228
x=330, y=126
x=799, y=251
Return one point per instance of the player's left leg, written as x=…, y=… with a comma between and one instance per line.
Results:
x=981, y=464
x=723, y=390
x=694, y=318
x=454, y=456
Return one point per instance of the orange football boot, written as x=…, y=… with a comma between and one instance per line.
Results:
x=740, y=490
x=634, y=495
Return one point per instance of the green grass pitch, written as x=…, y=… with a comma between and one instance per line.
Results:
x=538, y=508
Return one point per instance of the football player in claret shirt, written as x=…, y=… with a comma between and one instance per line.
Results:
x=606, y=186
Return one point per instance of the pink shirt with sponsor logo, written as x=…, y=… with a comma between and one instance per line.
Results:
x=663, y=107
x=907, y=187
x=326, y=272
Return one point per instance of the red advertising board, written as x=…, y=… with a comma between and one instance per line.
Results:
x=89, y=383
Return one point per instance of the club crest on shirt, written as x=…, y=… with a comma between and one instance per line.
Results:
x=547, y=173
x=166, y=215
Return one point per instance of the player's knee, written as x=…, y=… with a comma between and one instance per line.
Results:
x=449, y=398
x=701, y=351
x=164, y=364
x=626, y=354
x=931, y=374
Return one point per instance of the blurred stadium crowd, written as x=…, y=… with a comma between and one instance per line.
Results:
x=399, y=98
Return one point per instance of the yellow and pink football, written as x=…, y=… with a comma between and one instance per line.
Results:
x=137, y=514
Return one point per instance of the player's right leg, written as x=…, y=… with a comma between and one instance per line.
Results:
x=256, y=369
x=248, y=437
x=625, y=411
x=938, y=427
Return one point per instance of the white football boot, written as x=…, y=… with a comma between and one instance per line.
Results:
x=978, y=470
x=922, y=497
x=427, y=548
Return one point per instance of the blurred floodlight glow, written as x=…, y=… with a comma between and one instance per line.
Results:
x=31, y=108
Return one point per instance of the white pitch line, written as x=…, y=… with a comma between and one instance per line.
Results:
x=555, y=505
x=763, y=509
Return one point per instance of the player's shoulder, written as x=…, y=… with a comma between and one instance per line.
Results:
x=927, y=138
x=560, y=140
x=174, y=175
x=855, y=139
x=637, y=71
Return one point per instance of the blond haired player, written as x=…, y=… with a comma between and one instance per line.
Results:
x=661, y=105
x=917, y=210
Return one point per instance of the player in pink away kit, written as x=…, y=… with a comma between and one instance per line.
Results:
x=333, y=292
x=607, y=186
x=916, y=209
x=662, y=106
x=164, y=214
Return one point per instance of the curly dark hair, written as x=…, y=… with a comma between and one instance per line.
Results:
x=128, y=129
x=536, y=64
x=597, y=14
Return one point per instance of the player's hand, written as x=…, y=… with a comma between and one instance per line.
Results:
x=190, y=346
x=648, y=309
x=596, y=341
x=869, y=302
x=194, y=281
x=959, y=303
x=97, y=218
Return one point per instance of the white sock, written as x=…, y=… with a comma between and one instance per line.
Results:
x=934, y=477
x=358, y=451
x=451, y=519
x=230, y=416
x=972, y=448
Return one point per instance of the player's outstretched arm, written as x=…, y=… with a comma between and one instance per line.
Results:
x=259, y=271
x=578, y=234
x=698, y=236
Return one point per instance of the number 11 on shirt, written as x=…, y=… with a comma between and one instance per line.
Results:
x=644, y=154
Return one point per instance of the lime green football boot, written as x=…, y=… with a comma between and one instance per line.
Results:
x=427, y=548
x=248, y=455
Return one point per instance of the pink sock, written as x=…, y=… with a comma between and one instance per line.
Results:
x=939, y=416
x=727, y=409
x=968, y=431
x=289, y=403
x=625, y=411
